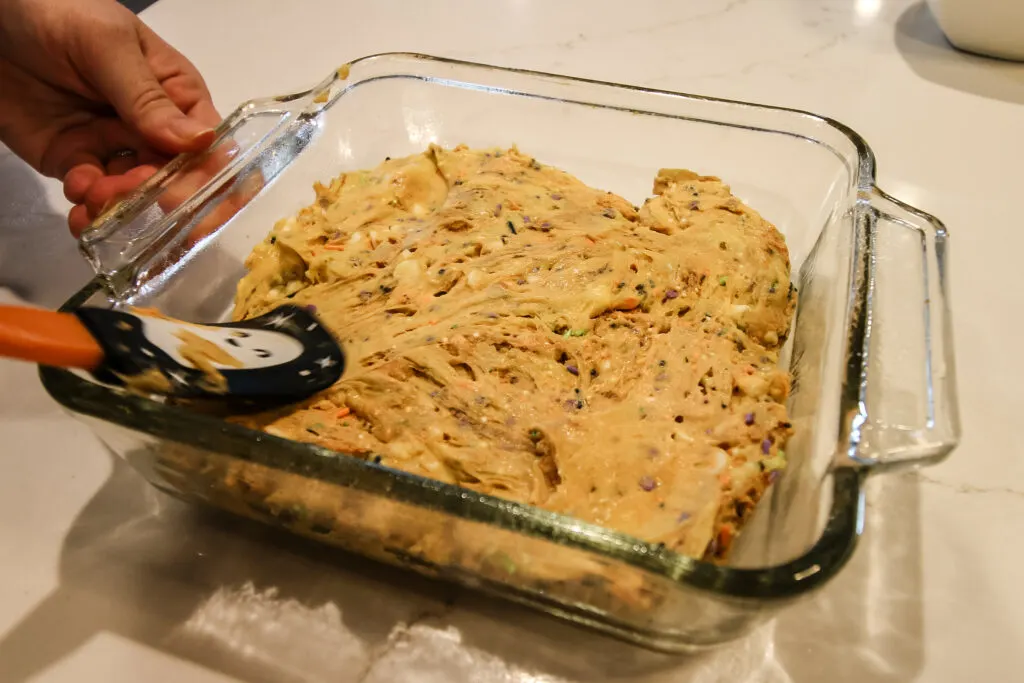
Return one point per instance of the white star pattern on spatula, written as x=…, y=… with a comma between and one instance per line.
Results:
x=178, y=377
x=325, y=362
x=279, y=320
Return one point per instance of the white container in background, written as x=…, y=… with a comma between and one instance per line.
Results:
x=989, y=27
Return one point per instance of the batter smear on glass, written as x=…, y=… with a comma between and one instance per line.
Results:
x=514, y=331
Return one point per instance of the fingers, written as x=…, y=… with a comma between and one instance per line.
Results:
x=90, y=142
x=109, y=188
x=101, y=193
x=79, y=179
x=150, y=88
x=180, y=78
x=78, y=220
x=205, y=112
x=83, y=154
x=122, y=74
x=240, y=195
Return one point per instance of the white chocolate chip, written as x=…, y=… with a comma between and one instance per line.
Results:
x=682, y=436
x=721, y=458
x=475, y=279
x=407, y=271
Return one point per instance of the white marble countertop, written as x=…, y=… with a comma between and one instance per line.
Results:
x=103, y=579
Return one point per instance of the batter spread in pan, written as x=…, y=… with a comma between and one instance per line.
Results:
x=514, y=331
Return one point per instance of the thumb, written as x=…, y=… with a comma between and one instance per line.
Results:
x=123, y=76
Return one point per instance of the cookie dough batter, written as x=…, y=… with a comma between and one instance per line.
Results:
x=514, y=331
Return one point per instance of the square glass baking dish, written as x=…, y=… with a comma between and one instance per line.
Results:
x=870, y=351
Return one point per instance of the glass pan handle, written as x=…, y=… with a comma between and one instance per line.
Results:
x=907, y=396
x=195, y=194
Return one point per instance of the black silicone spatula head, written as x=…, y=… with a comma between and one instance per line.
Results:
x=284, y=354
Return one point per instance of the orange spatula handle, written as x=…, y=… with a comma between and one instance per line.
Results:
x=47, y=338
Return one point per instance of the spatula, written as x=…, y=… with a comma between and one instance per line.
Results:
x=284, y=354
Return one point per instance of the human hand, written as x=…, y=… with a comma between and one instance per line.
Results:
x=90, y=95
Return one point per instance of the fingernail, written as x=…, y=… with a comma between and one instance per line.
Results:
x=189, y=130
